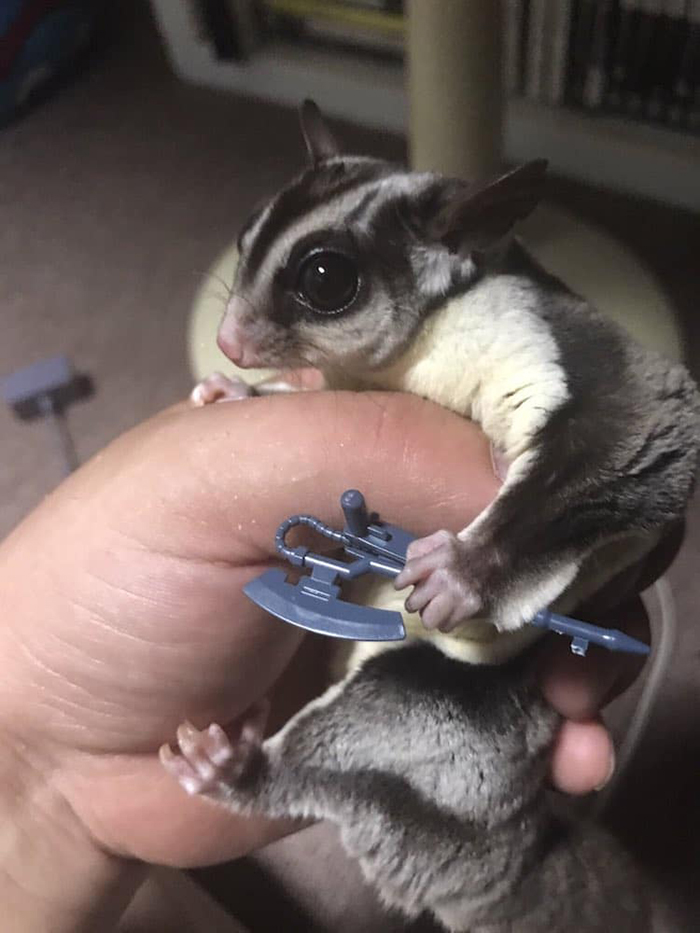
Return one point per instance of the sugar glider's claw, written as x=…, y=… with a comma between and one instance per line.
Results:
x=220, y=388
x=207, y=759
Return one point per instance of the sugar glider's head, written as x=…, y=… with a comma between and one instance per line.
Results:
x=340, y=269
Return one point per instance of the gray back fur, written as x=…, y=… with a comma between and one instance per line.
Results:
x=435, y=773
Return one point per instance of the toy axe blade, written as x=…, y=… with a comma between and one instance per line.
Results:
x=317, y=607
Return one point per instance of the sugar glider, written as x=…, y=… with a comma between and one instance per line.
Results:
x=384, y=278
x=434, y=770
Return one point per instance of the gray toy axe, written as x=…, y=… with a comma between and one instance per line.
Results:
x=315, y=602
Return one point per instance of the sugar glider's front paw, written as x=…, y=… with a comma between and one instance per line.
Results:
x=438, y=568
x=220, y=388
x=208, y=762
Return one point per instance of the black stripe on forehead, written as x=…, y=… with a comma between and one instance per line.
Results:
x=398, y=219
x=248, y=226
x=314, y=188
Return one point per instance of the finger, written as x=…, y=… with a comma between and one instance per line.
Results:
x=435, y=613
x=256, y=718
x=422, y=546
x=188, y=506
x=208, y=466
x=151, y=819
x=417, y=569
x=421, y=595
x=583, y=758
x=453, y=619
x=190, y=748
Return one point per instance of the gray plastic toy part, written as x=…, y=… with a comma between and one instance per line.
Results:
x=45, y=390
x=315, y=602
x=582, y=633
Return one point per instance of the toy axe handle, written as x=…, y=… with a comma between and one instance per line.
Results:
x=354, y=508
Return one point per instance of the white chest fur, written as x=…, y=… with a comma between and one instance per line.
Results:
x=488, y=356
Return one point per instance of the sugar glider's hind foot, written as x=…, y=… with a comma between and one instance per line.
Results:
x=208, y=762
x=220, y=388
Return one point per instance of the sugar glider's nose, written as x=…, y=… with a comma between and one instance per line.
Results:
x=234, y=332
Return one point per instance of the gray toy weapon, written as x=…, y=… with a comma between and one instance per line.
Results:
x=315, y=602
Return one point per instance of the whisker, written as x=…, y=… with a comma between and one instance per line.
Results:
x=227, y=286
x=234, y=294
x=208, y=293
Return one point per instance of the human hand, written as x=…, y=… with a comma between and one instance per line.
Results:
x=124, y=611
x=583, y=758
x=123, y=603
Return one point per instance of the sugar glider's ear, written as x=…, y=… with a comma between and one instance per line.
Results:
x=319, y=140
x=476, y=217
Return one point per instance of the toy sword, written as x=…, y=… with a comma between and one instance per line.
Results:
x=315, y=601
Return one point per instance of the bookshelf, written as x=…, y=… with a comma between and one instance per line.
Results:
x=648, y=160
x=369, y=92
x=613, y=152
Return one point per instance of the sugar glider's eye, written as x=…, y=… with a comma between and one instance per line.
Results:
x=327, y=281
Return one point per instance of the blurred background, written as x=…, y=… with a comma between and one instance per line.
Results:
x=135, y=138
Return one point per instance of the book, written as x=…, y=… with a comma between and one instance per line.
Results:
x=692, y=65
x=514, y=14
x=581, y=40
x=356, y=27
x=230, y=28
x=537, y=41
x=348, y=35
x=670, y=53
x=627, y=19
x=640, y=73
x=387, y=6
x=384, y=20
x=248, y=16
x=561, y=18
x=595, y=80
x=684, y=101
x=681, y=88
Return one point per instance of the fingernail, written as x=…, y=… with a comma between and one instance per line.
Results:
x=611, y=771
